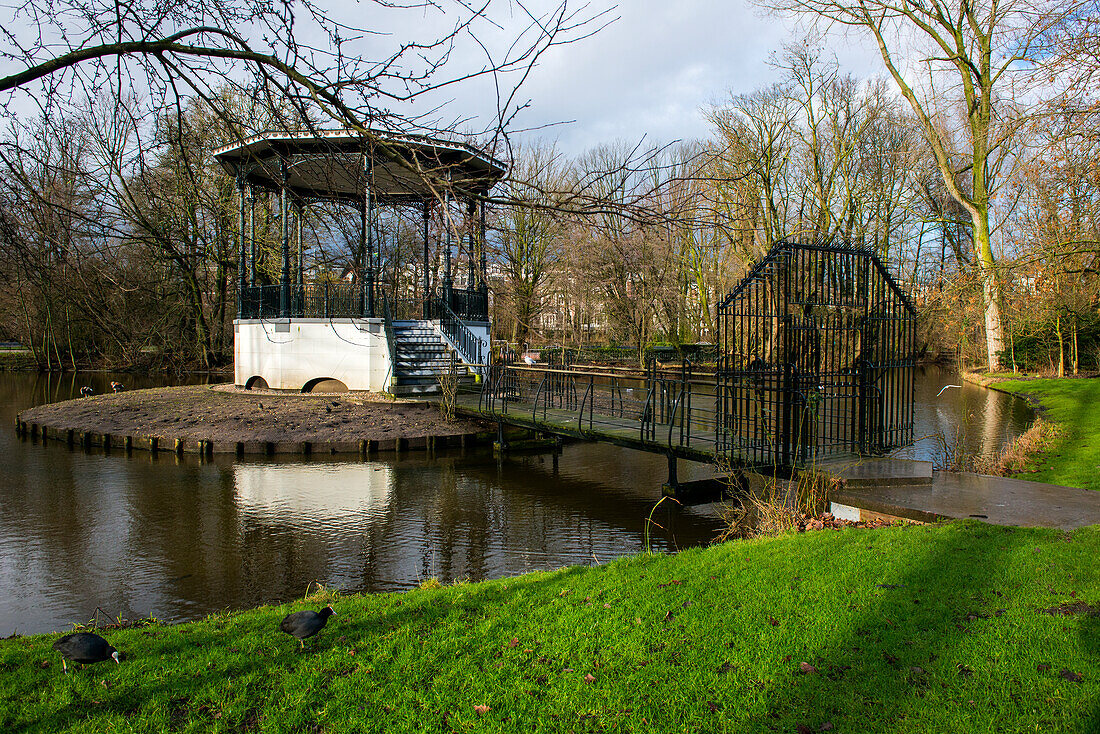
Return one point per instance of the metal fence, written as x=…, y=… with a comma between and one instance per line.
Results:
x=309, y=300
x=816, y=357
x=673, y=412
x=340, y=299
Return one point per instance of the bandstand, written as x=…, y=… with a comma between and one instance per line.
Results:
x=363, y=330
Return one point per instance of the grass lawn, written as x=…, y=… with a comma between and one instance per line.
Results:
x=904, y=629
x=1075, y=404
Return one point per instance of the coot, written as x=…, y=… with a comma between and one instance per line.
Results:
x=84, y=648
x=306, y=624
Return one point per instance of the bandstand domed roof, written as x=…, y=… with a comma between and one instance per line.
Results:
x=330, y=164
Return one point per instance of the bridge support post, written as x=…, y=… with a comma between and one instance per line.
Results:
x=671, y=488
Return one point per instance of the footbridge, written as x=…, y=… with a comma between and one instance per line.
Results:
x=814, y=359
x=672, y=414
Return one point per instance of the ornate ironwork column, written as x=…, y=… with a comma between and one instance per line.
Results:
x=242, y=263
x=471, y=212
x=299, y=275
x=481, y=240
x=368, y=235
x=427, y=273
x=447, y=284
x=284, y=279
x=252, y=235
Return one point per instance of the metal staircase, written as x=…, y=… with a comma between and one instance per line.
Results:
x=421, y=358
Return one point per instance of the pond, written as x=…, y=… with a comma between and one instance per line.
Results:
x=179, y=538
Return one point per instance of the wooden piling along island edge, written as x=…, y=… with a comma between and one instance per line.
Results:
x=197, y=420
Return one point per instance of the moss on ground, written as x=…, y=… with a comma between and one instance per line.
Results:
x=904, y=629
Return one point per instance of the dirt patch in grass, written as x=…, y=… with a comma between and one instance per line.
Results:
x=199, y=412
x=1074, y=609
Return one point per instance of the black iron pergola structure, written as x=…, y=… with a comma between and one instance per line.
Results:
x=816, y=357
x=367, y=172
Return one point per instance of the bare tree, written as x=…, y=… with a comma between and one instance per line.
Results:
x=531, y=234
x=974, y=49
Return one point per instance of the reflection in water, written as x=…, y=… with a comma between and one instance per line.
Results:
x=180, y=538
x=306, y=494
x=968, y=418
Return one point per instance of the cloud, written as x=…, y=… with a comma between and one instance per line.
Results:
x=651, y=73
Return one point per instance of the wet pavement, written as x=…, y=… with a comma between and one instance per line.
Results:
x=953, y=495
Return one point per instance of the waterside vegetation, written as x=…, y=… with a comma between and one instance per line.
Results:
x=955, y=627
x=1071, y=455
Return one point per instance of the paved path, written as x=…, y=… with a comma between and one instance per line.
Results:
x=912, y=490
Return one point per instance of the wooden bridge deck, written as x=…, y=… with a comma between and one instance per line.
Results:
x=698, y=445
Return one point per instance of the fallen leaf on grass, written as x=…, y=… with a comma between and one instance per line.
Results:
x=1072, y=677
x=589, y=678
x=827, y=726
x=481, y=709
x=714, y=707
x=513, y=642
x=806, y=669
x=773, y=621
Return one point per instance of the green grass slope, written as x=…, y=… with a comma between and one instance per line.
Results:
x=1075, y=405
x=917, y=629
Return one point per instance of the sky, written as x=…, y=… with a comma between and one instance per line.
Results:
x=648, y=74
x=652, y=72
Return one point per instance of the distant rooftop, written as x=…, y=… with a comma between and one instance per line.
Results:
x=329, y=164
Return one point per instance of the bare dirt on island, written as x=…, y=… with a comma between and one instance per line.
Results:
x=220, y=415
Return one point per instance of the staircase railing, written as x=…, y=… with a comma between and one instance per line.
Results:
x=464, y=340
x=391, y=340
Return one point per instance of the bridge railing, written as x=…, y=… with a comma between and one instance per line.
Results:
x=678, y=412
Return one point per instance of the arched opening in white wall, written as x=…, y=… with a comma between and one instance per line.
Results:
x=324, y=384
x=255, y=383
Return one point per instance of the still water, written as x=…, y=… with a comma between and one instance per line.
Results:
x=177, y=539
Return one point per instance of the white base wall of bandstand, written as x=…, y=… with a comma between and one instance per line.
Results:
x=289, y=354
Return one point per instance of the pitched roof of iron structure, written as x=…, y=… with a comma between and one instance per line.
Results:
x=841, y=246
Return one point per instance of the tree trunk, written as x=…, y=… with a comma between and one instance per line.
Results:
x=1061, y=346
x=991, y=294
x=1074, y=358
